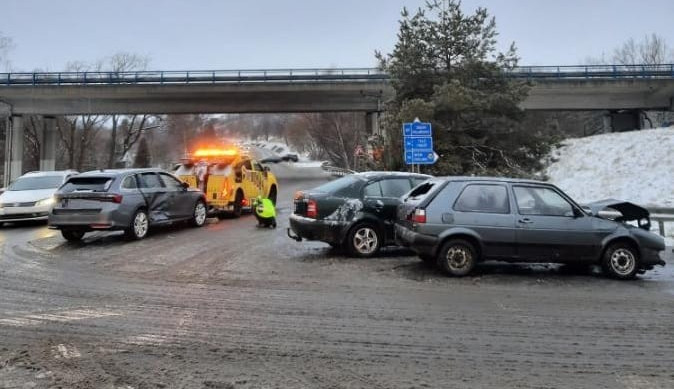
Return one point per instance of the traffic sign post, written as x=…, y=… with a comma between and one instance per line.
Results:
x=418, y=144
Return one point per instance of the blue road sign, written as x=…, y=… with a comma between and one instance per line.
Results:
x=417, y=129
x=420, y=157
x=418, y=143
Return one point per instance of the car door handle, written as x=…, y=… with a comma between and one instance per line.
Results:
x=526, y=220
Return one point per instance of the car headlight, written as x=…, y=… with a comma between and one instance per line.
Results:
x=45, y=202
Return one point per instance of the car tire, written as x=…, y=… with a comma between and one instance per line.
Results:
x=199, y=214
x=139, y=227
x=620, y=261
x=363, y=240
x=238, y=205
x=72, y=235
x=457, y=257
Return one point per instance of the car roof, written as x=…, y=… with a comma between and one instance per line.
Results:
x=380, y=174
x=119, y=172
x=494, y=179
x=49, y=173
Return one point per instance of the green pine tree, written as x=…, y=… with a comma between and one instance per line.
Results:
x=445, y=69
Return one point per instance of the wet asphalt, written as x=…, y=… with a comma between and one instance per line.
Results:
x=233, y=306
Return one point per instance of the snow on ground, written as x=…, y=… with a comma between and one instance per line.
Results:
x=636, y=166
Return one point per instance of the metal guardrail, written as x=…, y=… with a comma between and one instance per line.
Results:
x=661, y=71
x=337, y=171
x=665, y=71
x=193, y=77
x=661, y=215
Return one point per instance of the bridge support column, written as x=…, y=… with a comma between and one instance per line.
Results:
x=372, y=123
x=48, y=143
x=13, y=149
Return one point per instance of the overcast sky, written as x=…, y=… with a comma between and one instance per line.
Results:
x=201, y=34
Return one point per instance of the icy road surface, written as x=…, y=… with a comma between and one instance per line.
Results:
x=233, y=306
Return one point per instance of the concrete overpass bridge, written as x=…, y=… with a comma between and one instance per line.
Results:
x=612, y=87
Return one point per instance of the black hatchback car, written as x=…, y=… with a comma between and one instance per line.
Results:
x=456, y=222
x=356, y=211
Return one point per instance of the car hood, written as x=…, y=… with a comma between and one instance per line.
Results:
x=25, y=196
x=629, y=211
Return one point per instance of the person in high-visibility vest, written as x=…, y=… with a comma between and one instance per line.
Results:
x=265, y=212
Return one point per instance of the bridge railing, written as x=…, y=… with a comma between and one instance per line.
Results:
x=315, y=75
x=593, y=71
x=193, y=76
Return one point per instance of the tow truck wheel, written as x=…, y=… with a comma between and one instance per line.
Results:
x=199, y=215
x=273, y=194
x=238, y=204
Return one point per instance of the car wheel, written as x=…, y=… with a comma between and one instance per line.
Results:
x=621, y=261
x=72, y=236
x=199, y=216
x=363, y=241
x=457, y=257
x=140, y=225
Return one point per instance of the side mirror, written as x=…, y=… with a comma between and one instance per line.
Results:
x=184, y=185
x=266, y=169
x=577, y=212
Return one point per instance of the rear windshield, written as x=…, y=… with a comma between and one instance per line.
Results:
x=87, y=184
x=345, y=186
x=420, y=192
x=36, y=183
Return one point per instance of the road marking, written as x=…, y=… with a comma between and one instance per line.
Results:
x=147, y=339
x=66, y=352
x=57, y=316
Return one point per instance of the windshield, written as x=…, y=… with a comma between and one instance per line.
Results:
x=36, y=183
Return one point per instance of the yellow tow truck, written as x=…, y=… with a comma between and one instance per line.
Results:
x=229, y=177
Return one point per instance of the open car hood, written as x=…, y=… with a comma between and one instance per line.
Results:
x=629, y=211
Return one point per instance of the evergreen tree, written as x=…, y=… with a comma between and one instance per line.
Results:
x=445, y=69
x=142, y=158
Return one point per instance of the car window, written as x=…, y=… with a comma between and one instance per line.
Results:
x=372, y=190
x=87, y=184
x=347, y=186
x=170, y=182
x=247, y=164
x=541, y=201
x=150, y=180
x=486, y=198
x=129, y=182
x=395, y=187
x=258, y=167
x=418, y=180
x=36, y=183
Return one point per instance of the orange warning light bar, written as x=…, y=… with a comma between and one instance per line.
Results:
x=215, y=153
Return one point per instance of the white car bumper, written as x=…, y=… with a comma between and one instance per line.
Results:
x=15, y=214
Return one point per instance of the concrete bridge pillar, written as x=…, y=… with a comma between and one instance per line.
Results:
x=13, y=149
x=372, y=123
x=49, y=142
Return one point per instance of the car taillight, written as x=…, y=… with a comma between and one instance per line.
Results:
x=312, y=209
x=419, y=216
x=113, y=198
